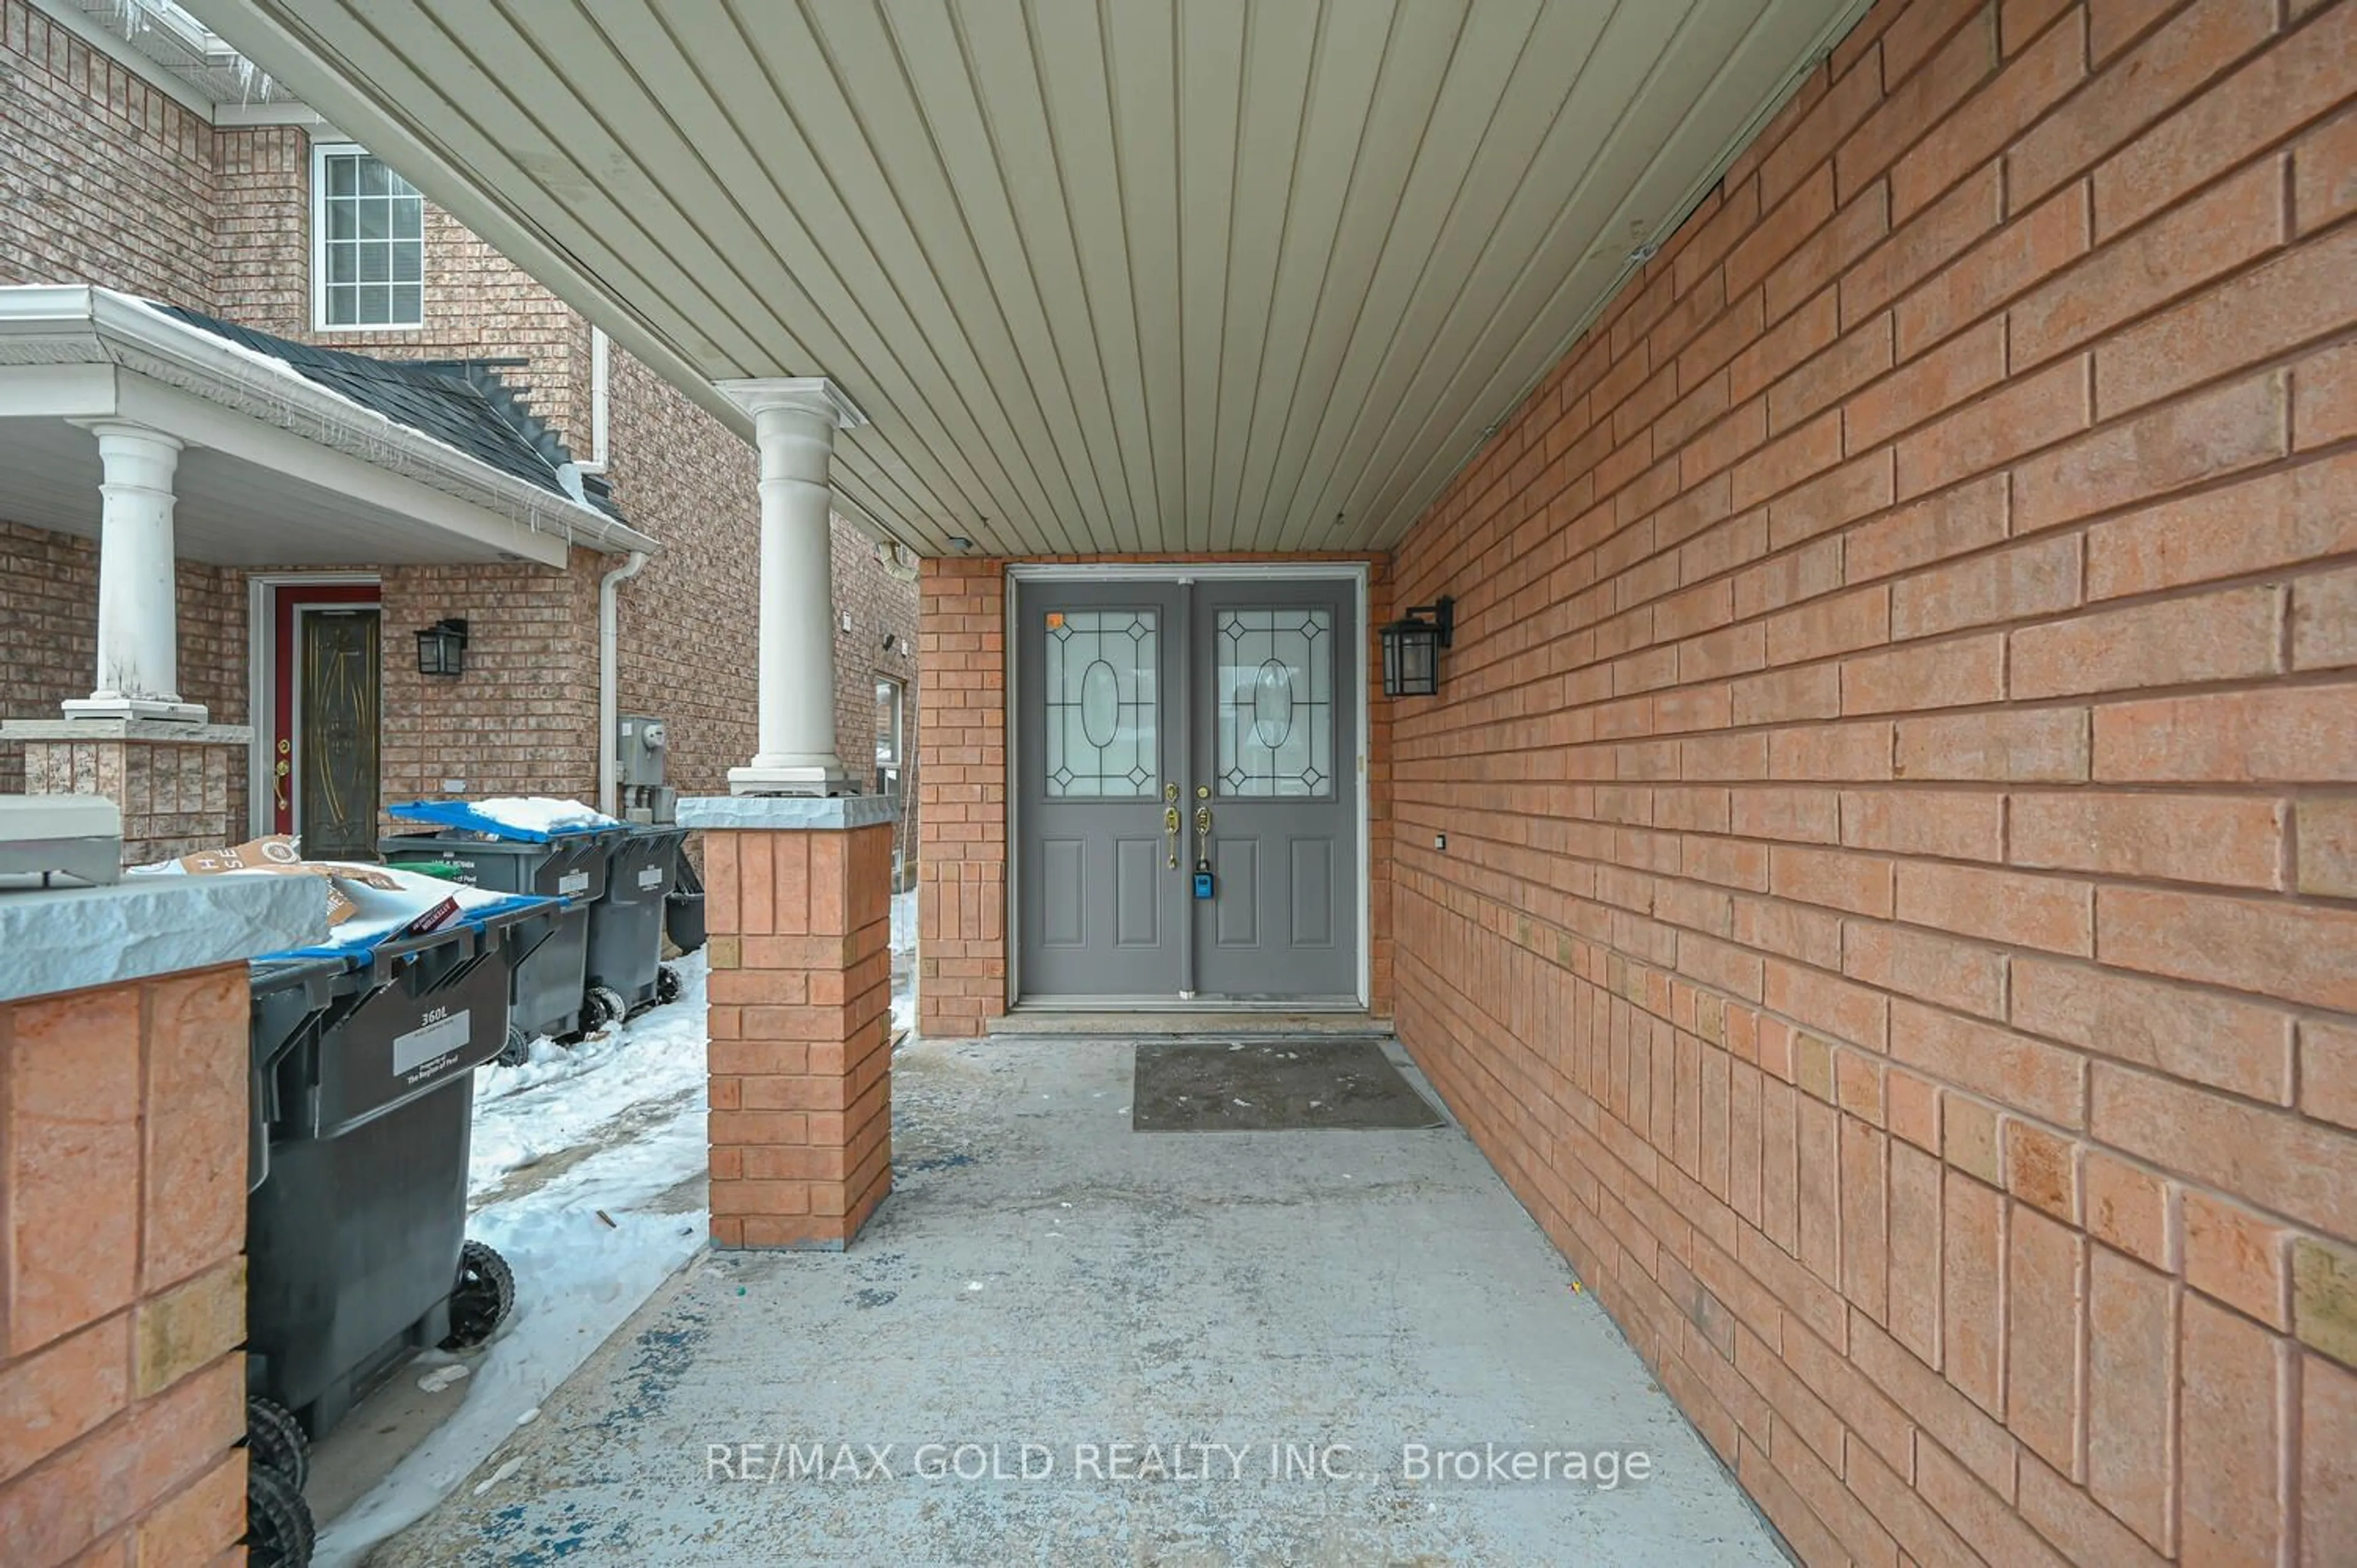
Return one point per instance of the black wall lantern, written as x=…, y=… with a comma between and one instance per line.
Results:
x=442, y=649
x=1411, y=649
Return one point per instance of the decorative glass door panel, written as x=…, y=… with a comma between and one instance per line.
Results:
x=338, y=787
x=1274, y=727
x=1103, y=723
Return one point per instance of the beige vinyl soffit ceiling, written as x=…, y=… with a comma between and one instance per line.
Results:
x=1104, y=274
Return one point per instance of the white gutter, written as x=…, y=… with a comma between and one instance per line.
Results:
x=609, y=702
x=55, y=325
x=201, y=50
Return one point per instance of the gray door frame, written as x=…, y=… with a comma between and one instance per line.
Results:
x=1018, y=573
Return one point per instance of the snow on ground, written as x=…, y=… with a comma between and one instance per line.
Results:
x=904, y=961
x=563, y=1094
x=618, y=1120
x=628, y=1107
x=904, y=921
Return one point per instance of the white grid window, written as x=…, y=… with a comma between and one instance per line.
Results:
x=368, y=228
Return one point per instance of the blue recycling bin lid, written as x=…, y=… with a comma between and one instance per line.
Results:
x=469, y=816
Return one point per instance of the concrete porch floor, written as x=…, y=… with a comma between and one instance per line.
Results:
x=1044, y=1275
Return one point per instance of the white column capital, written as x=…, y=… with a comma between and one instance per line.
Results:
x=114, y=431
x=795, y=394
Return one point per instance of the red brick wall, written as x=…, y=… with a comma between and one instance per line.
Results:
x=1896, y=933
x=688, y=619
x=262, y=228
x=522, y=718
x=48, y=629
x=107, y=180
x=122, y=1286
x=962, y=958
x=962, y=795
x=48, y=635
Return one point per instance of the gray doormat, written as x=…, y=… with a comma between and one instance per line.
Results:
x=1273, y=1086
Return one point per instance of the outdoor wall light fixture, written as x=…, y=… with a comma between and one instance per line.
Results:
x=441, y=648
x=1411, y=649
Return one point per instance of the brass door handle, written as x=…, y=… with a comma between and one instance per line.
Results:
x=1170, y=836
x=1202, y=835
x=278, y=784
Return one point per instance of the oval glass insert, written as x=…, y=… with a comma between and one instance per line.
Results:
x=1272, y=704
x=1099, y=704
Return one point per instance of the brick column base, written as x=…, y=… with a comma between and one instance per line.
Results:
x=797, y=905
x=171, y=780
x=123, y=1150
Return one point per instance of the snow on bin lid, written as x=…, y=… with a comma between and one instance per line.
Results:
x=389, y=901
x=531, y=818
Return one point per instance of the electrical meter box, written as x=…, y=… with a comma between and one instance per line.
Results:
x=639, y=746
x=639, y=770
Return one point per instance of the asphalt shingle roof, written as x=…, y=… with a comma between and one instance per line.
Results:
x=461, y=403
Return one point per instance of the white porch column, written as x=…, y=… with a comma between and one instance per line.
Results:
x=138, y=608
x=794, y=422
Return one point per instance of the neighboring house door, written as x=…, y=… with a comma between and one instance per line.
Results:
x=1165, y=727
x=328, y=719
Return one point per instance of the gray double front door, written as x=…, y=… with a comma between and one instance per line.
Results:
x=1168, y=729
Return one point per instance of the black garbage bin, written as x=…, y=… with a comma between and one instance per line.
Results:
x=684, y=910
x=568, y=864
x=549, y=949
x=548, y=959
x=626, y=926
x=364, y=1097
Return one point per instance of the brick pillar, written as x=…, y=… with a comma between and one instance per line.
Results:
x=962, y=795
x=798, y=903
x=172, y=781
x=122, y=1163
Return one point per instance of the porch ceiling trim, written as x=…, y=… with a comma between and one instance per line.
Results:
x=1140, y=278
x=79, y=352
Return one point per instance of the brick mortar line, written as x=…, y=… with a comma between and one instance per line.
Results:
x=2287, y=464
x=2293, y=1013
x=1998, y=1109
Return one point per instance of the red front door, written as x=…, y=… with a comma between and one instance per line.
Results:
x=326, y=659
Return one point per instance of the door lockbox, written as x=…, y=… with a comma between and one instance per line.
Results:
x=1203, y=848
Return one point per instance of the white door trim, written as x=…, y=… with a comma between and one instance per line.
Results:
x=1019, y=572
x=260, y=675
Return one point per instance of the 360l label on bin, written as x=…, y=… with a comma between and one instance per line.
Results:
x=439, y=1037
x=650, y=878
x=572, y=882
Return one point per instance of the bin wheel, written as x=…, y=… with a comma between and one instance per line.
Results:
x=482, y=1298
x=601, y=1006
x=517, y=1049
x=274, y=1441
x=279, y=1532
x=668, y=985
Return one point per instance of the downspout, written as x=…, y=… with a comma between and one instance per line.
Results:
x=609, y=702
x=610, y=590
